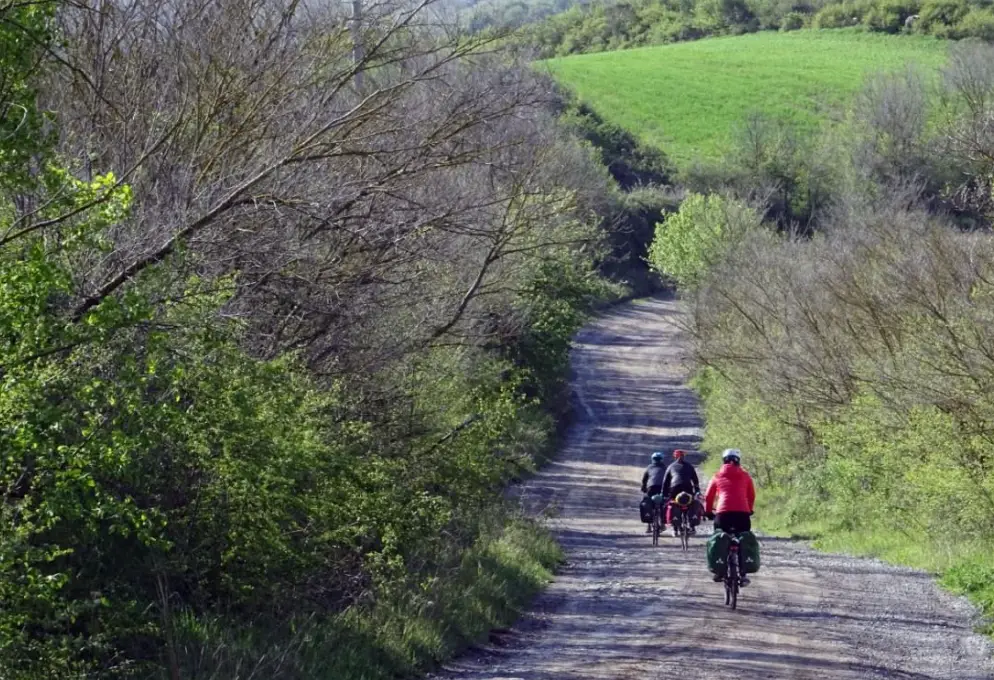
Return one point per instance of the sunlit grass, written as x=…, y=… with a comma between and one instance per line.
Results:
x=964, y=567
x=687, y=98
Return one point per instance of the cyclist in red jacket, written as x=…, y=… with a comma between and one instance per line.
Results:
x=735, y=494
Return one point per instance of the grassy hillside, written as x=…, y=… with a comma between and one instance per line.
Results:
x=687, y=98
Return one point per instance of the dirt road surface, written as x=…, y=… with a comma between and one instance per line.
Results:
x=621, y=609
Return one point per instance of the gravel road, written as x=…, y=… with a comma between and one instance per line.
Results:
x=622, y=609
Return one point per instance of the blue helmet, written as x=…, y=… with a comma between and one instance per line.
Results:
x=658, y=456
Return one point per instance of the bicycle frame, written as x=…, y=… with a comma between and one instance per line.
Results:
x=732, y=573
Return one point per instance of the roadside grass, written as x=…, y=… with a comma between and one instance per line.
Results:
x=687, y=98
x=964, y=568
x=492, y=584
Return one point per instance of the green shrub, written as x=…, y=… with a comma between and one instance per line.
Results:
x=939, y=17
x=484, y=588
x=770, y=14
x=840, y=16
x=692, y=240
x=725, y=13
x=889, y=16
x=794, y=21
x=978, y=23
x=975, y=578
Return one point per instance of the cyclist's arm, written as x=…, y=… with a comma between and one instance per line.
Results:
x=645, y=478
x=667, y=478
x=750, y=493
x=694, y=479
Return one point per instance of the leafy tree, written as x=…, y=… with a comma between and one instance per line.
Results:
x=691, y=241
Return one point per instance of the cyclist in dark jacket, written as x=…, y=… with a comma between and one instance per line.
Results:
x=681, y=477
x=652, y=483
x=652, y=478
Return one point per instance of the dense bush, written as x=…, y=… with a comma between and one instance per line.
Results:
x=841, y=15
x=793, y=21
x=938, y=17
x=641, y=173
x=691, y=241
x=630, y=162
x=977, y=23
x=890, y=16
x=871, y=412
x=262, y=389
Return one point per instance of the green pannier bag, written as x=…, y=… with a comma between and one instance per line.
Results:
x=718, y=552
x=749, y=550
x=718, y=545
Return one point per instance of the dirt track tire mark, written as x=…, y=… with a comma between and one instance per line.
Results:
x=623, y=609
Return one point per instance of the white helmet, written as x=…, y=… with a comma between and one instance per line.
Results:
x=731, y=455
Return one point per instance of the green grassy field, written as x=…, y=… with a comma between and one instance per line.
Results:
x=687, y=98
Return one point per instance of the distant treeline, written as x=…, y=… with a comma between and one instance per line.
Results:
x=611, y=25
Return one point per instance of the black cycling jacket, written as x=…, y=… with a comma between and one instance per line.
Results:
x=653, y=476
x=680, y=476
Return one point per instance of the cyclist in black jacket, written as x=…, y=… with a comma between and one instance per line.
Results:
x=681, y=476
x=652, y=484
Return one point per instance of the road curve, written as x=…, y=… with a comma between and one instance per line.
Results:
x=622, y=609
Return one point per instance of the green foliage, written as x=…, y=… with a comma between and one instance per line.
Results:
x=602, y=26
x=637, y=212
x=485, y=586
x=793, y=21
x=839, y=363
x=938, y=17
x=841, y=15
x=178, y=503
x=695, y=238
x=974, y=578
x=597, y=27
x=629, y=161
x=556, y=304
x=666, y=95
x=208, y=470
x=889, y=16
x=978, y=23
x=24, y=29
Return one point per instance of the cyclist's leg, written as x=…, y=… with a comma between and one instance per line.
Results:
x=733, y=522
x=649, y=493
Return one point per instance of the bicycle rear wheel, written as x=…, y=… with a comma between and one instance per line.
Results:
x=733, y=577
x=685, y=534
x=655, y=527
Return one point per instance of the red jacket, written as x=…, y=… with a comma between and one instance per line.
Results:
x=733, y=487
